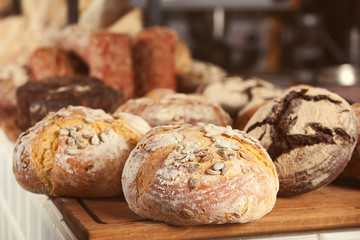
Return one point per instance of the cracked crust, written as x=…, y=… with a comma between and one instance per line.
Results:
x=309, y=133
x=199, y=174
x=76, y=151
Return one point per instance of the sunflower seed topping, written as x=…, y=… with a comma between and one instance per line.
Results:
x=192, y=167
x=187, y=213
x=64, y=132
x=88, y=120
x=218, y=166
x=79, y=126
x=73, y=133
x=244, y=156
x=94, y=140
x=206, y=158
x=80, y=143
x=244, y=169
x=193, y=183
x=72, y=152
x=87, y=134
x=104, y=137
x=224, y=170
x=212, y=172
x=70, y=141
x=231, y=155
x=108, y=120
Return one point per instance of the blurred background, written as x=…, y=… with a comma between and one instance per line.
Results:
x=284, y=41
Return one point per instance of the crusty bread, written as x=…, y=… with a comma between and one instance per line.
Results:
x=199, y=174
x=353, y=167
x=197, y=74
x=309, y=133
x=76, y=151
x=235, y=93
x=165, y=107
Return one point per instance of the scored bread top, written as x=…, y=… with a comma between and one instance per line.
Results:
x=199, y=174
x=76, y=151
x=162, y=107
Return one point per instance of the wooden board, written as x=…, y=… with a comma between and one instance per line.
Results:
x=334, y=206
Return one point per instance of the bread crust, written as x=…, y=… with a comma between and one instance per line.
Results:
x=165, y=107
x=353, y=167
x=199, y=174
x=76, y=151
x=309, y=133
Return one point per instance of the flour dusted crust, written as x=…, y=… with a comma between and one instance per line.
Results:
x=165, y=107
x=76, y=151
x=309, y=133
x=199, y=174
x=353, y=167
x=235, y=93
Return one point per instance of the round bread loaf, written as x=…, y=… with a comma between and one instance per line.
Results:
x=309, y=133
x=235, y=93
x=197, y=74
x=165, y=107
x=199, y=174
x=76, y=151
x=353, y=167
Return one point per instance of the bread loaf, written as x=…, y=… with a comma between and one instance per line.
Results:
x=47, y=62
x=165, y=107
x=235, y=93
x=37, y=98
x=77, y=152
x=309, y=133
x=154, y=59
x=198, y=74
x=199, y=174
x=110, y=60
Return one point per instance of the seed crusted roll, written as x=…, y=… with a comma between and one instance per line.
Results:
x=76, y=151
x=309, y=133
x=165, y=107
x=353, y=167
x=199, y=174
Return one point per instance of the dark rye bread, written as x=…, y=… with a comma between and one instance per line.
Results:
x=36, y=99
x=309, y=133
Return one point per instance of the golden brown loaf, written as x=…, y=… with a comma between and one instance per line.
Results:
x=165, y=107
x=199, y=174
x=76, y=151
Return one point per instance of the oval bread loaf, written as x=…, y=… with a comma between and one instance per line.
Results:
x=199, y=174
x=76, y=151
x=165, y=107
x=309, y=133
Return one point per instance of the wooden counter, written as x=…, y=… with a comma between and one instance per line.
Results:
x=334, y=206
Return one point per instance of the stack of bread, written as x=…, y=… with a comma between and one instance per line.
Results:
x=106, y=110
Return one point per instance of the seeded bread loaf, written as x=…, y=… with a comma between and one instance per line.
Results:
x=199, y=174
x=36, y=99
x=309, y=133
x=165, y=107
x=353, y=167
x=235, y=93
x=76, y=151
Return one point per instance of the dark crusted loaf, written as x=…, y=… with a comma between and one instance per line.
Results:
x=36, y=99
x=309, y=133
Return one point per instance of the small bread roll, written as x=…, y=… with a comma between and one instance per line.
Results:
x=309, y=133
x=235, y=93
x=353, y=167
x=165, y=107
x=199, y=174
x=76, y=151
